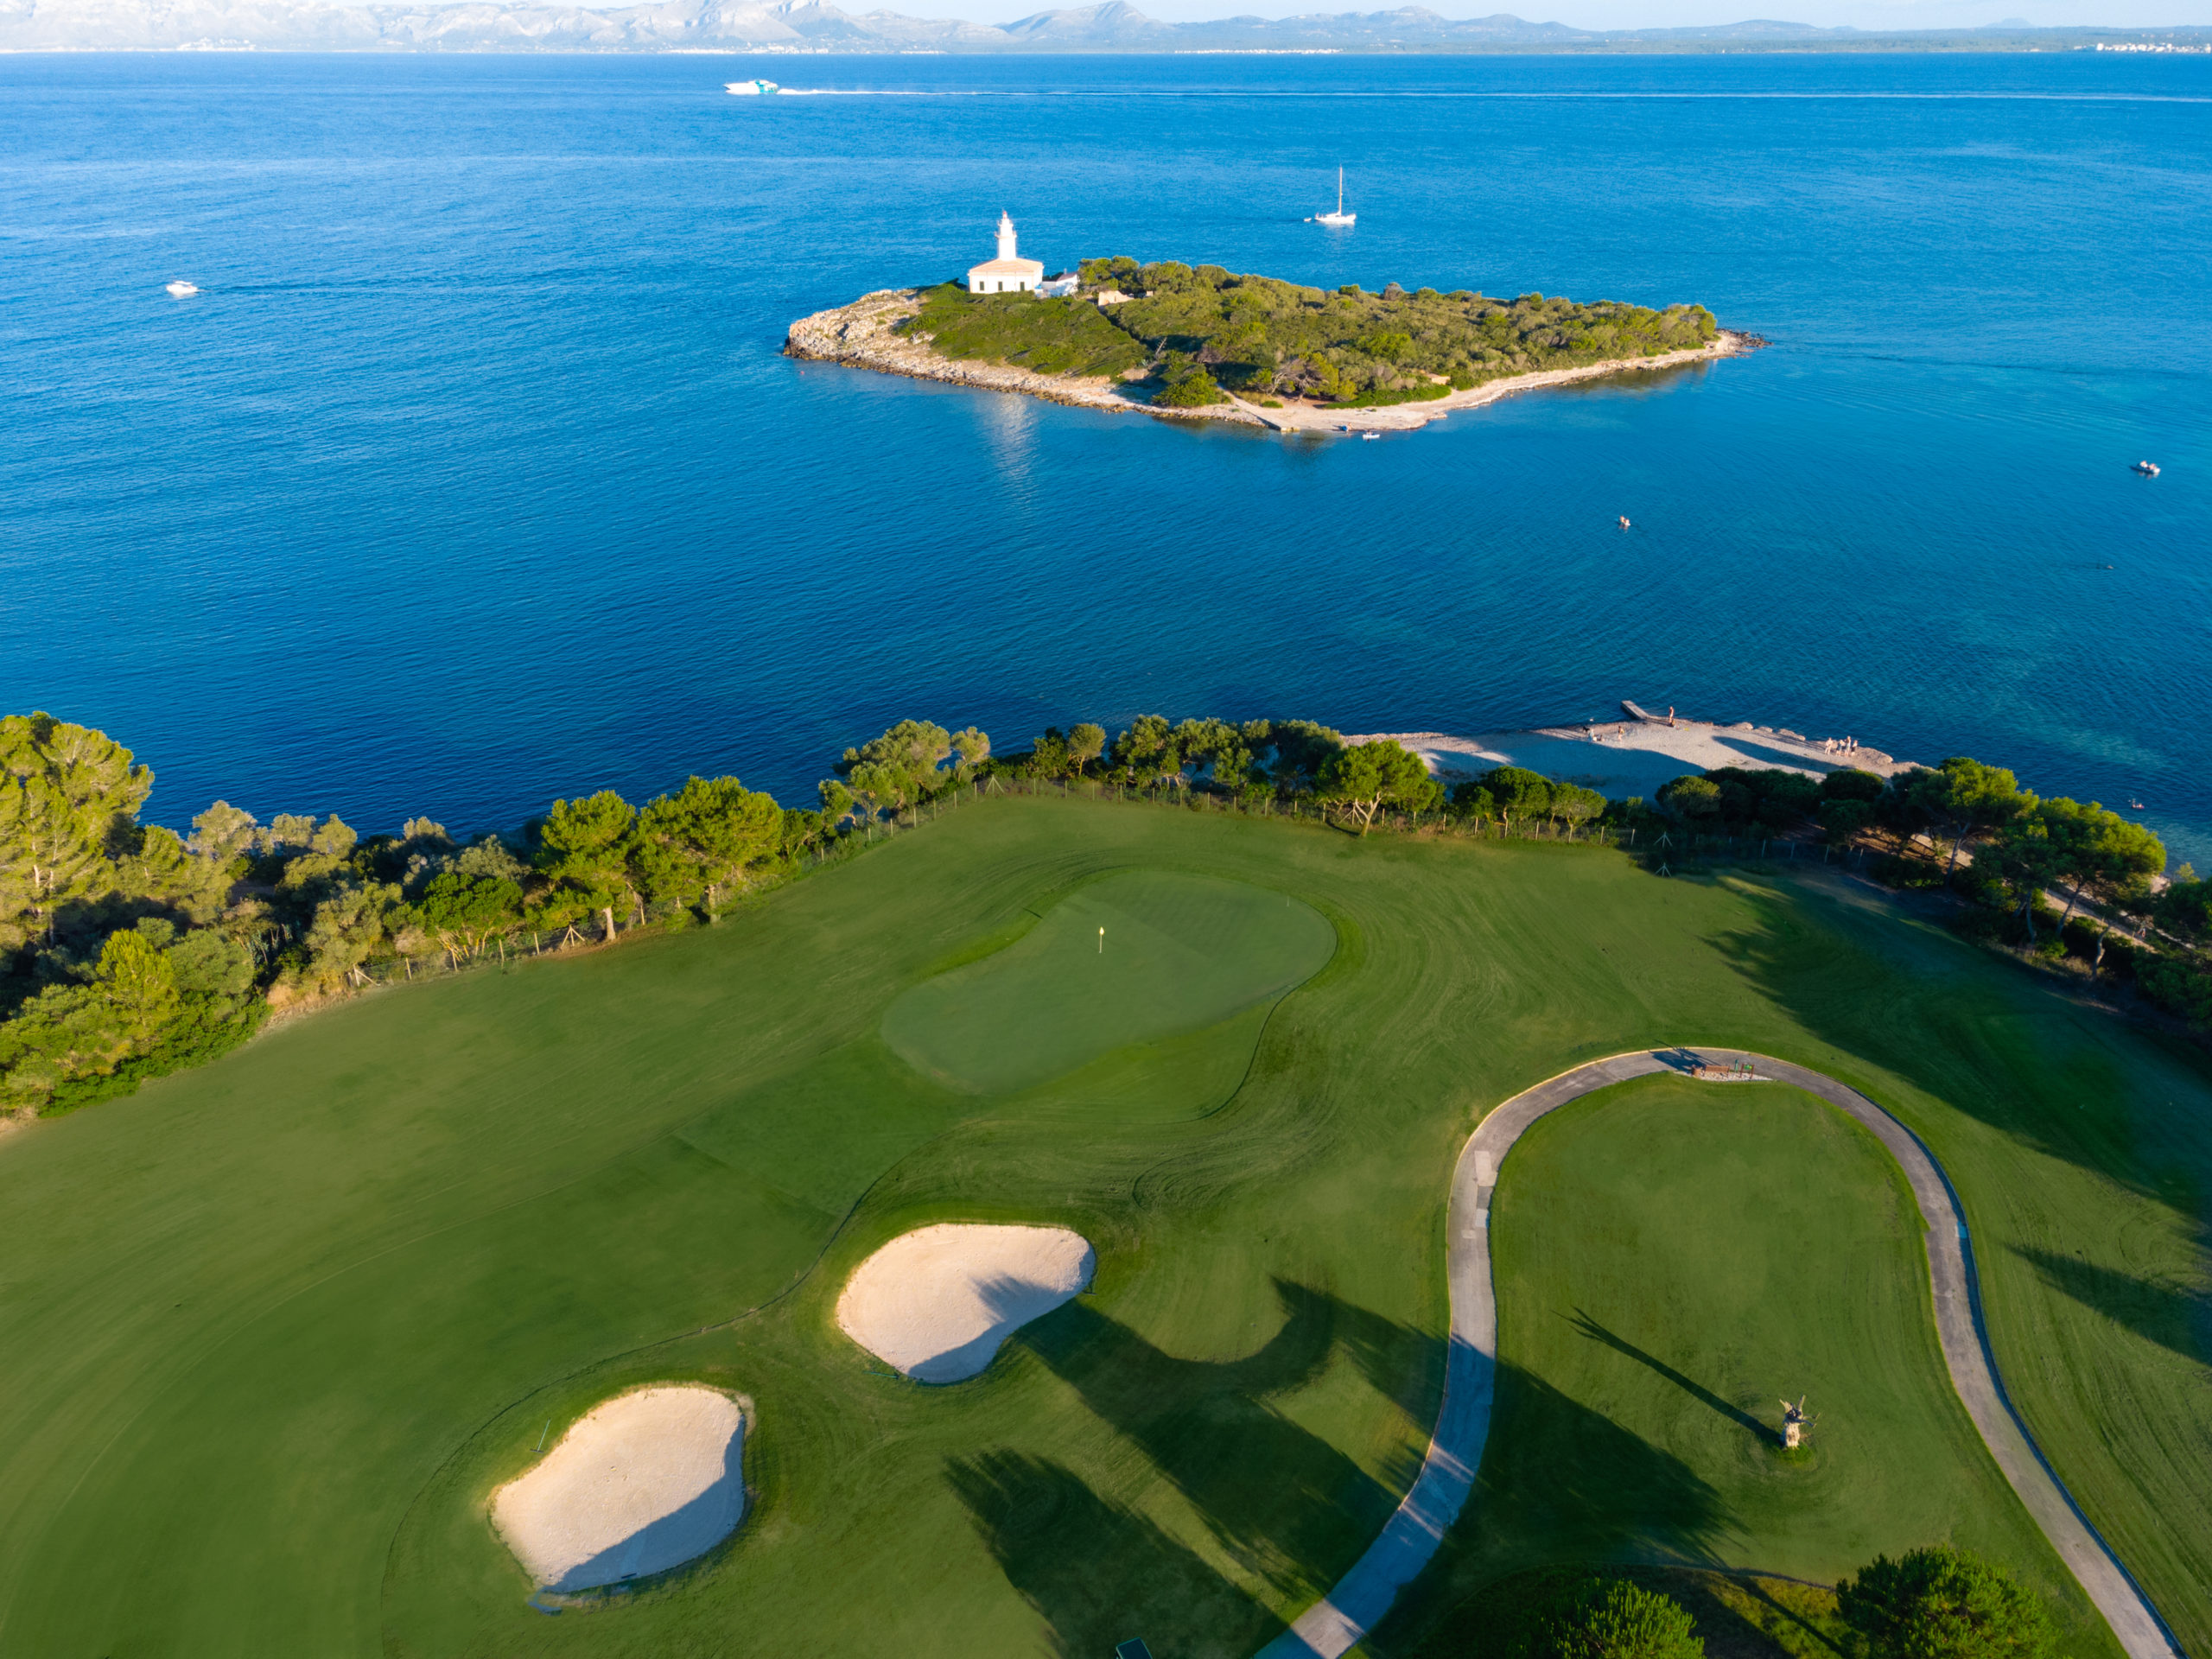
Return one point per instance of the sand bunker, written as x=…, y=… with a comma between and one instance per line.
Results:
x=937, y=1302
x=644, y=1483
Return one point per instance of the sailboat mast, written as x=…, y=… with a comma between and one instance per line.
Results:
x=1340, y=189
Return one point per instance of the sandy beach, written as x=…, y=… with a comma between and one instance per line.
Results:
x=1636, y=754
x=860, y=335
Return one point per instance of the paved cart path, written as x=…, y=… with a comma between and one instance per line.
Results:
x=1331, y=1626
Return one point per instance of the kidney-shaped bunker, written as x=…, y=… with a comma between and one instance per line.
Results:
x=643, y=1483
x=937, y=1302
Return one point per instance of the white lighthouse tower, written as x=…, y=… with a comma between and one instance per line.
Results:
x=1008, y=273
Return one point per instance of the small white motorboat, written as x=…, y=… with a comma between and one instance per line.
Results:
x=2148, y=468
x=1368, y=437
x=751, y=88
x=181, y=290
x=1340, y=217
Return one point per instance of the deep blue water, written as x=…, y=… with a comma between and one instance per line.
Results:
x=473, y=475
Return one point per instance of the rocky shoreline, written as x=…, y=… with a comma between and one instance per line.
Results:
x=861, y=336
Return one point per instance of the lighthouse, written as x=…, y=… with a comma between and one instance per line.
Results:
x=1008, y=273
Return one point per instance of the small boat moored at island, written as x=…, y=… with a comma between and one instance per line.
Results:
x=751, y=88
x=2148, y=468
x=181, y=290
x=1339, y=216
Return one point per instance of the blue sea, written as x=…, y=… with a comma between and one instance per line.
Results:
x=473, y=476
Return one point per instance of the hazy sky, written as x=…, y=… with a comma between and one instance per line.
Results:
x=1632, y=14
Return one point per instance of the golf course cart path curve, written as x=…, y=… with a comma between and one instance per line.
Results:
x=1331, y=1626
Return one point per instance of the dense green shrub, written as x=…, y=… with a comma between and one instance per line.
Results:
x=1891, y=871
x=1188, y=387
x=1613, y=1619
x=1943, y=1603
x=1565, y=1612
x=2179, y=986
x=1694, y=800
x=1383, y=397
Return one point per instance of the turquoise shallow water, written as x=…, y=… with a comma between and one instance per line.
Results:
x=473, y=475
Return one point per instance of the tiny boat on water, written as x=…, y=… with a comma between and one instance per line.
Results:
x=2135, y=806
x=2148, y=468
x=1368, y=437
x=1340, y=217
x=181, y=290
x=751, y=88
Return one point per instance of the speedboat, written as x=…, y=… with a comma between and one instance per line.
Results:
x=181, y=290
x=751, y=88
x=2148, y=468
x=1368, y=437
x=1340, y=217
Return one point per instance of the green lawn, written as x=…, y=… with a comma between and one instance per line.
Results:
x=1187, y=951
x=1672, y=1257
x=271, y=1332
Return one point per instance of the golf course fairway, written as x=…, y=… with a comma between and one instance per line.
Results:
x=273, y=1331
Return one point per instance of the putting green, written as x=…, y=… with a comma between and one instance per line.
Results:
x=1137, y=957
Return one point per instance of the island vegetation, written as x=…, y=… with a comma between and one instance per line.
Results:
x=1187, y=336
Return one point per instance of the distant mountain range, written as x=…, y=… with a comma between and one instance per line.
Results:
x=808, y=26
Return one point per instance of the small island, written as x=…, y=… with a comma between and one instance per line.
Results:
x=1200, y=342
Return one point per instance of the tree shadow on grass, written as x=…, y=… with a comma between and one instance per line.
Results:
x=2177, y=1318
x=1098, y=1574
x=1705, y=1397
x=1995, y=1045
x=1286, y=1505
x=1559, y=1484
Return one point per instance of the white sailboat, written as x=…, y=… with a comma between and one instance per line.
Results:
x=1339, y=216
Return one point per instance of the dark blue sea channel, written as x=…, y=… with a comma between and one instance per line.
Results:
x=473, y=476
